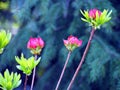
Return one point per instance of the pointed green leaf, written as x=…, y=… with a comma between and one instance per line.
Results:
x=84, y=20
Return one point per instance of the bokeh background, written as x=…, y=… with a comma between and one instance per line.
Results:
x=55, y=20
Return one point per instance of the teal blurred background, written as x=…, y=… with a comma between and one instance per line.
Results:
x=55, y=20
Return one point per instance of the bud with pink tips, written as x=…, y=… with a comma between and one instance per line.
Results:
x=72, y=42
x=93, y=12
x=35, y=45
x=95, y=17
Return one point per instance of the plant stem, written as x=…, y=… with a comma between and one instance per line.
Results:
x=25, y=84
x=82, y=60
x=63, y=70
x=33, y=77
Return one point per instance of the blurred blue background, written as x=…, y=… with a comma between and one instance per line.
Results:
x=55, y=20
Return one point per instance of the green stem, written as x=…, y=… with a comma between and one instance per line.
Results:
x=63, y=71
x=33, y=77
x=82, y=60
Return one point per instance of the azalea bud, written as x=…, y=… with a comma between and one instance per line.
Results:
x=35, y=45
x=93, y=12
x=96, y=18
x=72, y=42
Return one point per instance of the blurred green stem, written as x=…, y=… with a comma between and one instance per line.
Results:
x=33, y=77
x=63, y=71
x=82, y=60
x=25, y=84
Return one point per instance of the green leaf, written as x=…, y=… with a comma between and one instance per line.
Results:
x=1, y=50
x=82, y=13
x=108, y=15
x=84, y=20
x=85, y=14
x=4, y=39
x=37, y=61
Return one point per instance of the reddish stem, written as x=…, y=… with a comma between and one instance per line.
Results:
x=26, y=78
x=82, y=60
x=63, y=70
x=33, y=77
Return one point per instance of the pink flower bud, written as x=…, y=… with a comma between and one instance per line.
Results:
x=72, y=42
x=92, y=13
x=35, y=44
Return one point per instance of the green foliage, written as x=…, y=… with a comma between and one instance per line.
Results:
x=4, y=5
x=4, y=39
x=26, y=65
x=9, y=81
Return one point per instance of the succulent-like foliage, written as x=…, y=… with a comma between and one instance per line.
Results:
x=26, y=65
x=98, y=20
x=9, y=81
x=4, y=39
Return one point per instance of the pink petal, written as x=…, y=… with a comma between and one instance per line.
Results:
x=79, y=43
x=65, y=42
x=92, y=13
x=40, y=42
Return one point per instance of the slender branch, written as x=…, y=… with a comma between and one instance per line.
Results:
x=25, y=84
x=82, y=60
x=63, y=70
x=33, y=77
